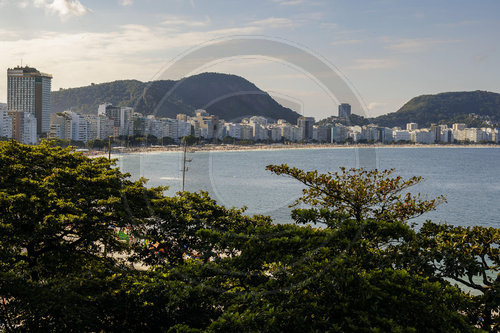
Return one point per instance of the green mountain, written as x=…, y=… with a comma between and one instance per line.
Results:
x=228, y=96
x=475, y=108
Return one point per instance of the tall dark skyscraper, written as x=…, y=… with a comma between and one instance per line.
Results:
x=344, y=110
x=306, y=125
x=28, y=90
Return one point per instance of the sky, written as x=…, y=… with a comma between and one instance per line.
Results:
x=385, y=51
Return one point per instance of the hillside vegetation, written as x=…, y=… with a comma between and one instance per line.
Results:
x=446, y=108
x=228, y=96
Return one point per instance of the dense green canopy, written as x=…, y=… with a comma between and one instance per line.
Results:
x=84, y=248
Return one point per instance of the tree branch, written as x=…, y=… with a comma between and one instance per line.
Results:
x=485, y=268
x=8, y=323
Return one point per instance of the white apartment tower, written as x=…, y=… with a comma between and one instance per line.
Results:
x=411, y=126
x=5, y=124
x=28, y=90
x=121, y=116
x=30, y=129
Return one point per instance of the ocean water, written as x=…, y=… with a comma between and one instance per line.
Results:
x=468, y=177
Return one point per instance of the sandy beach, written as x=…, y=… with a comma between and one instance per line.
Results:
x=257, y=147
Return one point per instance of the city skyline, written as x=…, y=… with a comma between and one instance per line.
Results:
x=122, y=123
x=389, y=51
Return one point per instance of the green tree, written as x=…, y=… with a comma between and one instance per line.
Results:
x=467, y=255
x=357, y=194
x=189, y=140
x=178, y=222
x=58, y=211
x=97, y=143
x=197, y=266
x=166, y=140
x=228, y=140
x=369, y=210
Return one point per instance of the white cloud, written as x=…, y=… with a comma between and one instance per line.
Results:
x=409, y=45
x=232, y=31
x=298, y=2
x=273, y=22
x=177, y=23
x=350, y=32
x=330, y=25
x=126, y=3
x=378, y=108
x=23, y=4
x=180, y=22
x=368, y=64
x=412, y=45
x=311, y=16
x=458, y=24
x=8, y=34
x=479, y=57
x=132, y=51
x=346, y=42
x=376, y=105
x=289, y=2
x=63, y=8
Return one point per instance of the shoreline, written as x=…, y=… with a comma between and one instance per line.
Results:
x=240, y=148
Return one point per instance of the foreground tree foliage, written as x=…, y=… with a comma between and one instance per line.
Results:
x=356, y=194
x=469, y=256
x=190, y=265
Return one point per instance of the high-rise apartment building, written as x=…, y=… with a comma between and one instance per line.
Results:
x=459, y=126
x=411, y=126
x=30, y=129
x=436, y=132
x=17, y=127
x=182, y=117
x=69, y=125
x=344, y=110
x=60, y=126
x=121, y=116
x=204, y=124
x=99, y=126
x=28, y=90
x=5, y=124
x=23, y=127
x=306, y=124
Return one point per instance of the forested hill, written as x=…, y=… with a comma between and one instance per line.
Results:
x=473, y=108
x=228, y=96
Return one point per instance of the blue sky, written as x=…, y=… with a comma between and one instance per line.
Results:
x=387, y=51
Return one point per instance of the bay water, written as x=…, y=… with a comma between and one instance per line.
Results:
x=468, y=177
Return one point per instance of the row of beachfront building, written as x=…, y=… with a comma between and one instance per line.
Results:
x=113, y=121
x=123, y=121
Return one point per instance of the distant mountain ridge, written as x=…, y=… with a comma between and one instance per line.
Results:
x=232, y=97
x=228, y=96
x=446, y=108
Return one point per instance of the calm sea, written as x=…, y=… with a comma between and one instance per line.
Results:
x=468, y=177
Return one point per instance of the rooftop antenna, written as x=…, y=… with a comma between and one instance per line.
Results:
x=21, y=62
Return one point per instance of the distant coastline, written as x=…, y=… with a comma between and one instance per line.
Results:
x=227, y=147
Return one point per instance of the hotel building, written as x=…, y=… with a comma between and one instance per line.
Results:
x=28, y=90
